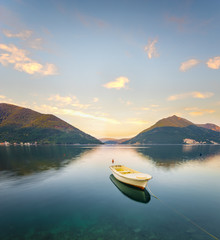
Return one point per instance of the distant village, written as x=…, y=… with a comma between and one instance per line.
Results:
x=18, y=144
x=192, y=141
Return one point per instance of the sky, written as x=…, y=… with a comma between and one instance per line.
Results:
x=112, y=68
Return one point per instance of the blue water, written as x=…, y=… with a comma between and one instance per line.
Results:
x=68, y=192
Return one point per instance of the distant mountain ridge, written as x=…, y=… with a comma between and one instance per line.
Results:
x=18, y=124
x=113, y=140
x=175, y=130
x=210, y=126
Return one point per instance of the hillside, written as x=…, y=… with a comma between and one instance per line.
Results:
x=210, y=126
x=173, y=121
x=19, y=124
x=175, y=130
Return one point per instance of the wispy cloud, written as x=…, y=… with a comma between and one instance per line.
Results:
x=70, y=112
x=21, y=62
x=195, y=111
x=35, y=43
x=91, y=116
x=118, y=83
x=179, y=21
x=214, y=63
x=90, y=21
x=68, y=100
x=27, y=37
x=187, y=24
x=154, y=105
x=125, y=102
x=190, y=95
x=10, y=18
x=95, y=99
x=2, y=97
x=25, y=34
x=5, y=99
x=188, y=64
x=60, y=99
x=145, y=108
x=150, y=49
x=190, y=108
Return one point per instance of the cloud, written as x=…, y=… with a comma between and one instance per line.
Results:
x=19, y=58
x=190, y=95
x=145, y=108
x=150, y=49
x=154, y=105
x=35, y=43
x=95, y=99
x=2, y=97
x=118, y=83
x=88, y=21
x=214, y=63
x=188, y=64
x=190, y=108
x=13, y=55
x=10, y=18
x=199, y=112
x=86, y=115
x=179, y=21
x=25, y=34
x=34, y=67
x=125, y=102
x=128, y=103
x=6, y=99
x=70, y=112
x=58, y=98
x=68, y=100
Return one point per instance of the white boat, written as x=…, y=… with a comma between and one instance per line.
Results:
x=130, y=176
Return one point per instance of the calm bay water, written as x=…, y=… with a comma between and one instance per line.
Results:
x=68, y=192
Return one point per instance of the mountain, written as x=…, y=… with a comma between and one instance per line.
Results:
x=175, y=130
x=18, y=124
x=210, y=126
x=113, y=140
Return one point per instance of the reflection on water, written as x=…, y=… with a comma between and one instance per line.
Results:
x=131, y=192
x=25, y=160
x=75, y=199
x=169, y=156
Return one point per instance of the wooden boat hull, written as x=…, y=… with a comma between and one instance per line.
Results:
x=136, y=181
x=140, y=184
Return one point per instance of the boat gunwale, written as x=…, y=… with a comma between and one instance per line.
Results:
x=128, y=176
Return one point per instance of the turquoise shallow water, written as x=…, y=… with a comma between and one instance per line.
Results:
x=68, y=192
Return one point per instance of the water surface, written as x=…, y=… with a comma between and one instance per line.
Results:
x=68, y=192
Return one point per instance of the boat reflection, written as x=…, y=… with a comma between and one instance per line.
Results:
x=131, y=192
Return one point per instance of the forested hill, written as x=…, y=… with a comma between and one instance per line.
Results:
x=175, y=130
x=18, y=124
